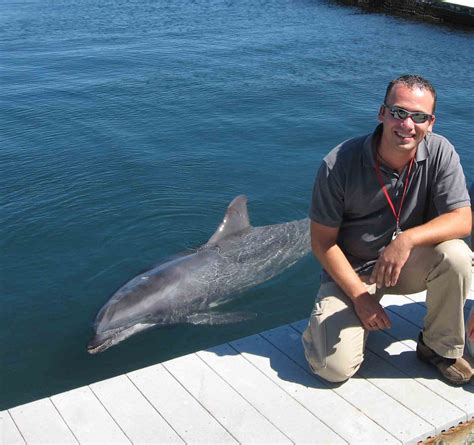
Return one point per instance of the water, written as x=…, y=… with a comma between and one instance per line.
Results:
x=128, y=126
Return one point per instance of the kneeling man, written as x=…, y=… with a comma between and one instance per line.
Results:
x=387, y=214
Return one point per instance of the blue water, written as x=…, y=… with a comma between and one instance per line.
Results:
x=126, y=127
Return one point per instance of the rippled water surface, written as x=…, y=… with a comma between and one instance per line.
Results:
x=128, y=126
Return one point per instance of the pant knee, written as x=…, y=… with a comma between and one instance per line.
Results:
x=337, y=372
x=334, y=340
x=457, y=257
x=336, y=366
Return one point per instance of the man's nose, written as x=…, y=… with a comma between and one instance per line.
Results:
x=408, y=122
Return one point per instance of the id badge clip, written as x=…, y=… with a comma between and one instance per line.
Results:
x=396, y=233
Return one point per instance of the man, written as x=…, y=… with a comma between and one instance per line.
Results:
x=387, y=213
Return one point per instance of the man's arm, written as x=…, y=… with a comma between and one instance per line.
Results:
x=452, y=225
x=329, y=254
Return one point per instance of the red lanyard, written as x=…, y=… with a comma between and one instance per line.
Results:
x=387, y=196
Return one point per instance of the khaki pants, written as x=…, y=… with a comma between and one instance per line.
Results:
x=334, y=340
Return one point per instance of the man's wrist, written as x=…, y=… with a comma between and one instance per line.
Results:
x=407, y=239
x=359, y=296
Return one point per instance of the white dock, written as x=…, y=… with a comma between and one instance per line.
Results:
x=258, y=390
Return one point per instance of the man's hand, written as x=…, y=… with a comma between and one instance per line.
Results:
x=371, y=313
x=390, y=262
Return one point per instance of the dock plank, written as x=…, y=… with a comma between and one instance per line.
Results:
x=407, y=331
x=418, y=398
x=413, y=307
x=267, y=397
x=188, y=417
x=311, y=392
x=240, y=418
x=418, y=297
x=402, y=423
x=406, y=308
x=9, y=433
x=403, y=357
x=131, y=410
x=39, y=421
x=408, y=391
x=397, y=346
x=87, y=418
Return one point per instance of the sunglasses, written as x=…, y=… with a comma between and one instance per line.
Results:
x=401, y=114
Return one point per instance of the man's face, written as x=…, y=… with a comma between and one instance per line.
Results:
x=405, y=135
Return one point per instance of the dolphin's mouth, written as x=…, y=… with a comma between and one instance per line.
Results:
x=106, y=339
x=95, y=347
x=101, y=342
x=91, y=349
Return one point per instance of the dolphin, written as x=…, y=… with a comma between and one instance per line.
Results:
x=187, y=289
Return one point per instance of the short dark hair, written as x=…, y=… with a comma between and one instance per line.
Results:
x=412, y=81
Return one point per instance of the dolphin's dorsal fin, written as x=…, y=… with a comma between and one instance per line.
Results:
x=236, y=220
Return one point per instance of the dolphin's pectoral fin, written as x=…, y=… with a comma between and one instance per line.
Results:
x=214, y=318
x=236, y=220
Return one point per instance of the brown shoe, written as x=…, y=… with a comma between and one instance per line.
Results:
x=456, y=371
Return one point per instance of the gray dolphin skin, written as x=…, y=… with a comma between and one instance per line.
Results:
x=188, y=289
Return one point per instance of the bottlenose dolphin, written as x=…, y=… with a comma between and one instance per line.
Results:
x=188, y=288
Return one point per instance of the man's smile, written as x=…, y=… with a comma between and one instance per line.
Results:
x=406, y=137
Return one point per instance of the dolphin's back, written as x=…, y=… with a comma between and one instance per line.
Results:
x=263, y=252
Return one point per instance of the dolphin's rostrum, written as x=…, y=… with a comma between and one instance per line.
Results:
x=187, y=289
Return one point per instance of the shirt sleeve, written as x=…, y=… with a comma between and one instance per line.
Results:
x=450, y=190
x=327, y=202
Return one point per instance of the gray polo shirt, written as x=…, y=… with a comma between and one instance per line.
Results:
x=348, y=195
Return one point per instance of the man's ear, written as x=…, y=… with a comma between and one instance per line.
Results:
x=430, y=128
x=381, y=112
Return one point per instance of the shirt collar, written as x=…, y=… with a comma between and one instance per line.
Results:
x=422, y=152
x=369, y=146
x=370, y=142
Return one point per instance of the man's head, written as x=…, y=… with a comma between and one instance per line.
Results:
x=407, y=113
x=412, y=81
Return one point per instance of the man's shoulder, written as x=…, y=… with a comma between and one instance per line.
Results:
x=438, y=141
x=346, y=151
